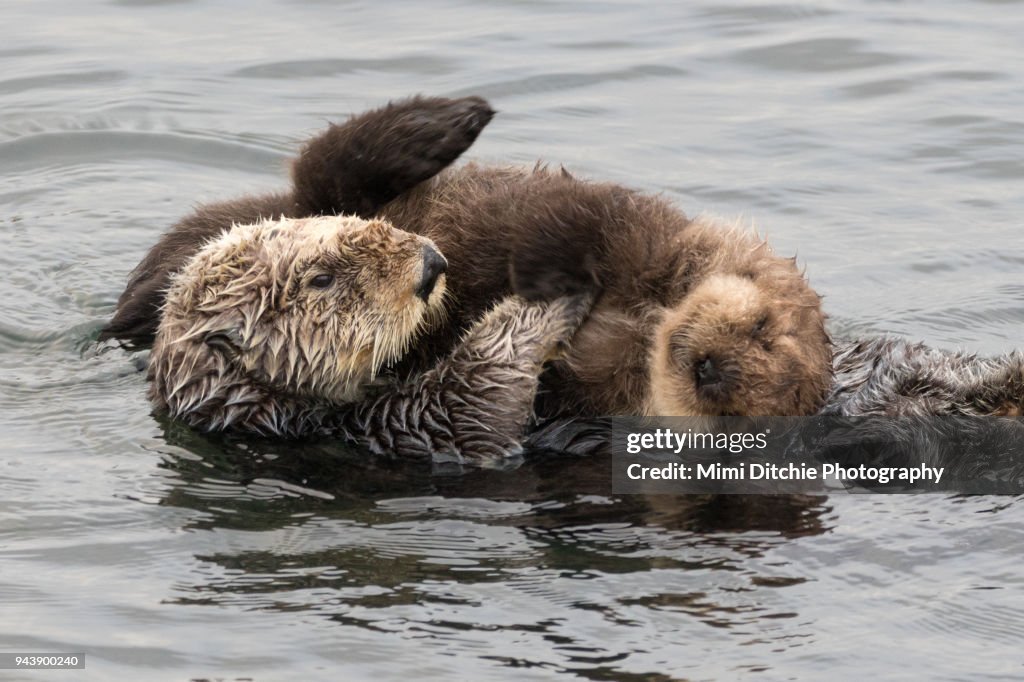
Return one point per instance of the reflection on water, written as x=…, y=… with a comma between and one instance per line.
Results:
x=479, y=559
x=880, y=142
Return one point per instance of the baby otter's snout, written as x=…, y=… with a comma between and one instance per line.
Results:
x=434, y=265
x=707, y=373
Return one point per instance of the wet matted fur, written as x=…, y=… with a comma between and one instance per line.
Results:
x=661, y=340
x=885, y=376
x=283, y=328
x=423, y=136
x=889, y=376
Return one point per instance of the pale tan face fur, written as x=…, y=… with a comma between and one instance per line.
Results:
x=312, y=308
x=741, y=344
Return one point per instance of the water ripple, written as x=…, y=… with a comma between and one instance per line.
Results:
x=817, y=55
x=62, y=149
x=878, y=141
x=80, y=79
x=559, y=82
x=323, y=68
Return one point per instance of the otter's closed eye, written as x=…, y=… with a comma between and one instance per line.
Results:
x=321, y=281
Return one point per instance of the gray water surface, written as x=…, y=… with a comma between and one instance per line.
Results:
x=881, y=142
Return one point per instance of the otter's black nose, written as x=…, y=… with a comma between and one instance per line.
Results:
x=707, y=373
x=433, y=265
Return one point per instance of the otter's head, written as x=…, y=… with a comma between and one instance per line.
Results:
x=291, y=312
x=751, y=344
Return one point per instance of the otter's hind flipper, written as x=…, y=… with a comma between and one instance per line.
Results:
x=359, y=166
x=475, y=406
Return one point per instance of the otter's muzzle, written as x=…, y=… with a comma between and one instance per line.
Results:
x=434, y=265
x=707, y=373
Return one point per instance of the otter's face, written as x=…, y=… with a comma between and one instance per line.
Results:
x=741, y=345
x=311, y=307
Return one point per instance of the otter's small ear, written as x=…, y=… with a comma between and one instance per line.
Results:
x=226, y=342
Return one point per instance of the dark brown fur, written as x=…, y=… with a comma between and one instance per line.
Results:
x=661, y=275
x=361, y=165
x=646, y=255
